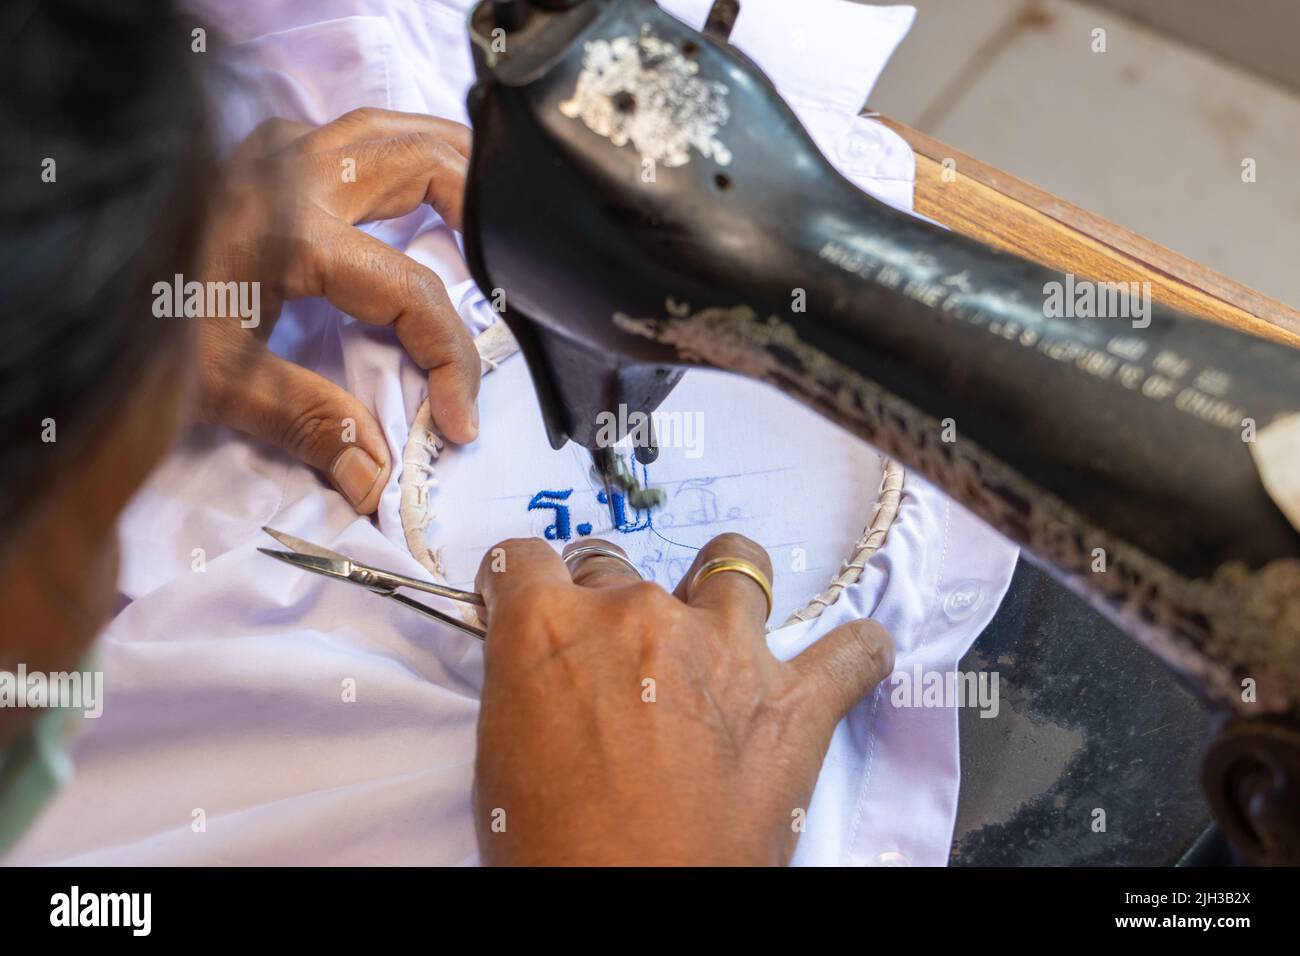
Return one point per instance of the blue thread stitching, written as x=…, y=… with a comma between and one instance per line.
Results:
x=559, y=530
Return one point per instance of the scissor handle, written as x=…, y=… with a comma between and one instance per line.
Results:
x=437, y=615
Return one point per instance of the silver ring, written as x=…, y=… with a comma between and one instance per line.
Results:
x=591, y=550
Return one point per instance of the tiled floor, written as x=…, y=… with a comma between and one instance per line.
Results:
x=1151, y=133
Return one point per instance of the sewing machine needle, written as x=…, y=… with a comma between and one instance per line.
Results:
x=600, y=463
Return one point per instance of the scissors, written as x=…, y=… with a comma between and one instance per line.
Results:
x=312, y=557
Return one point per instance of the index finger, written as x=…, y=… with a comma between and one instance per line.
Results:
x=370, y=122
x=517, y=567
x=597, y=570
x=389, y=177
x=378, y=285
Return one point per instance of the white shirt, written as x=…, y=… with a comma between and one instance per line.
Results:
x=258, y=715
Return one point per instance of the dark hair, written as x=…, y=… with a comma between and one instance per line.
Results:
x=103, y=97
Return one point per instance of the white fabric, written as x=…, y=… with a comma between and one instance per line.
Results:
x=226, y=737
x=728, y=472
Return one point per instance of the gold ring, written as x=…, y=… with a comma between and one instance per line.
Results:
x=740, y=566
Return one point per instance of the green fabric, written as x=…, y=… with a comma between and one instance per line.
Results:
x=31, y=772
x=37, y=765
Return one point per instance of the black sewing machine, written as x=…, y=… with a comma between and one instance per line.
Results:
x=647, y=202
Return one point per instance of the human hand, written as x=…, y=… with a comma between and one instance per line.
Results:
x=286, y=222
x=622, y=724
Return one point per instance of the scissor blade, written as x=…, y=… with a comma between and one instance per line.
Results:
x=327, y=566
x=310, y=562
x=303, y=547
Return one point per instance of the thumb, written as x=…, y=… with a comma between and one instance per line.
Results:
x=311, y=418
x=842, y=668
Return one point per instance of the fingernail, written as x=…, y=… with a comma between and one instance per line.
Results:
x=473, y=422
x=355, y=473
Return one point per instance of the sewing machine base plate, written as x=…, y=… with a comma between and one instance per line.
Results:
x=1088, y=724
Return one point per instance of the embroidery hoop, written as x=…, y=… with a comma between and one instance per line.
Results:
x=419, y=477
